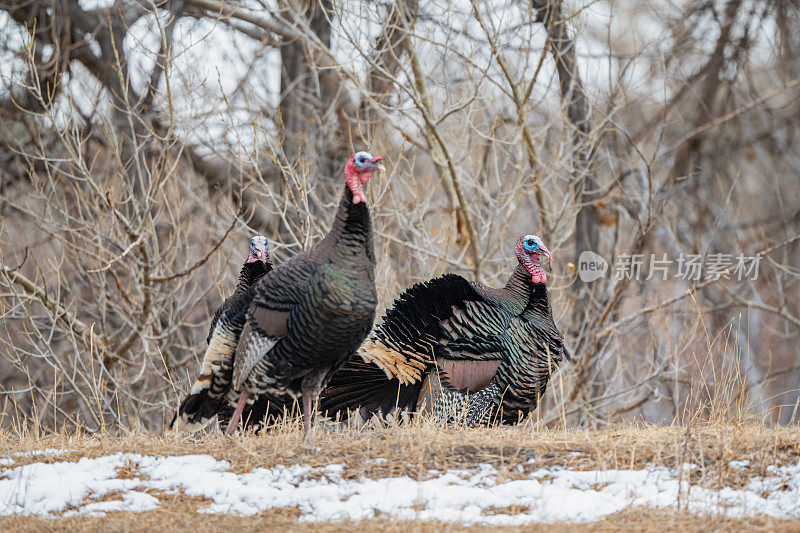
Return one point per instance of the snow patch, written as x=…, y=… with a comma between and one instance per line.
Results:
x=326, y=494
x=46, y=451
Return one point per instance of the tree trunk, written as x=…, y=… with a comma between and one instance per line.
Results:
x=303, y=98
x=584, y=181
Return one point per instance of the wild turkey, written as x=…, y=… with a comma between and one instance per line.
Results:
x=311, y=313
x=208, y=391
x=450, y=343
x=255, y=266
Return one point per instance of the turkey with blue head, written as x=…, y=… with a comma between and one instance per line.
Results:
x=464, y=351
x=206, y=398
x=310, y=314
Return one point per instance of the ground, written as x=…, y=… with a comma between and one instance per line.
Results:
x=418, y=477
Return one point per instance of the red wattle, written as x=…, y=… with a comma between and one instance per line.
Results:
x=357, y=188
x=356, y=181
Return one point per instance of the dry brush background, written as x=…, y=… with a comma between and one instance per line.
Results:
x=142, y=142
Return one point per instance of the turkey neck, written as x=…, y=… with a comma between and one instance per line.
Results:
x=518, y=373
x=250, y=273
x=532, y=296
x=351, y=230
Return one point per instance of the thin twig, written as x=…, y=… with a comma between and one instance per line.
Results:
x=187, y=271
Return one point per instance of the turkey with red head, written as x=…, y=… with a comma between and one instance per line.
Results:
x=450, y=344
x=207, y=396
x=310, y=314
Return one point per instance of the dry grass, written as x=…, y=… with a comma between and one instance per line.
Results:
x=415, y=449
x=418, y=448
x=182, y=516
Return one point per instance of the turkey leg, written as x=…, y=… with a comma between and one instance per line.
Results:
x=237, y=414
x=308, y=412
x=311, y=387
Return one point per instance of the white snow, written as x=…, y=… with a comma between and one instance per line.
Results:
x=46, y=451
x=8, y=461
x=325, y=494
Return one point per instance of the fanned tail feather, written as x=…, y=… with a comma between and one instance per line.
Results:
x=413, y=324
x=364, y=388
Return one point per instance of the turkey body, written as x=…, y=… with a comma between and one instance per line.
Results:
x=308, y=316
x=449, y=342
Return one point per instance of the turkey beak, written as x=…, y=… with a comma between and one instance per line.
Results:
x=544, y=251
x=377, y=162
x=257, y=255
